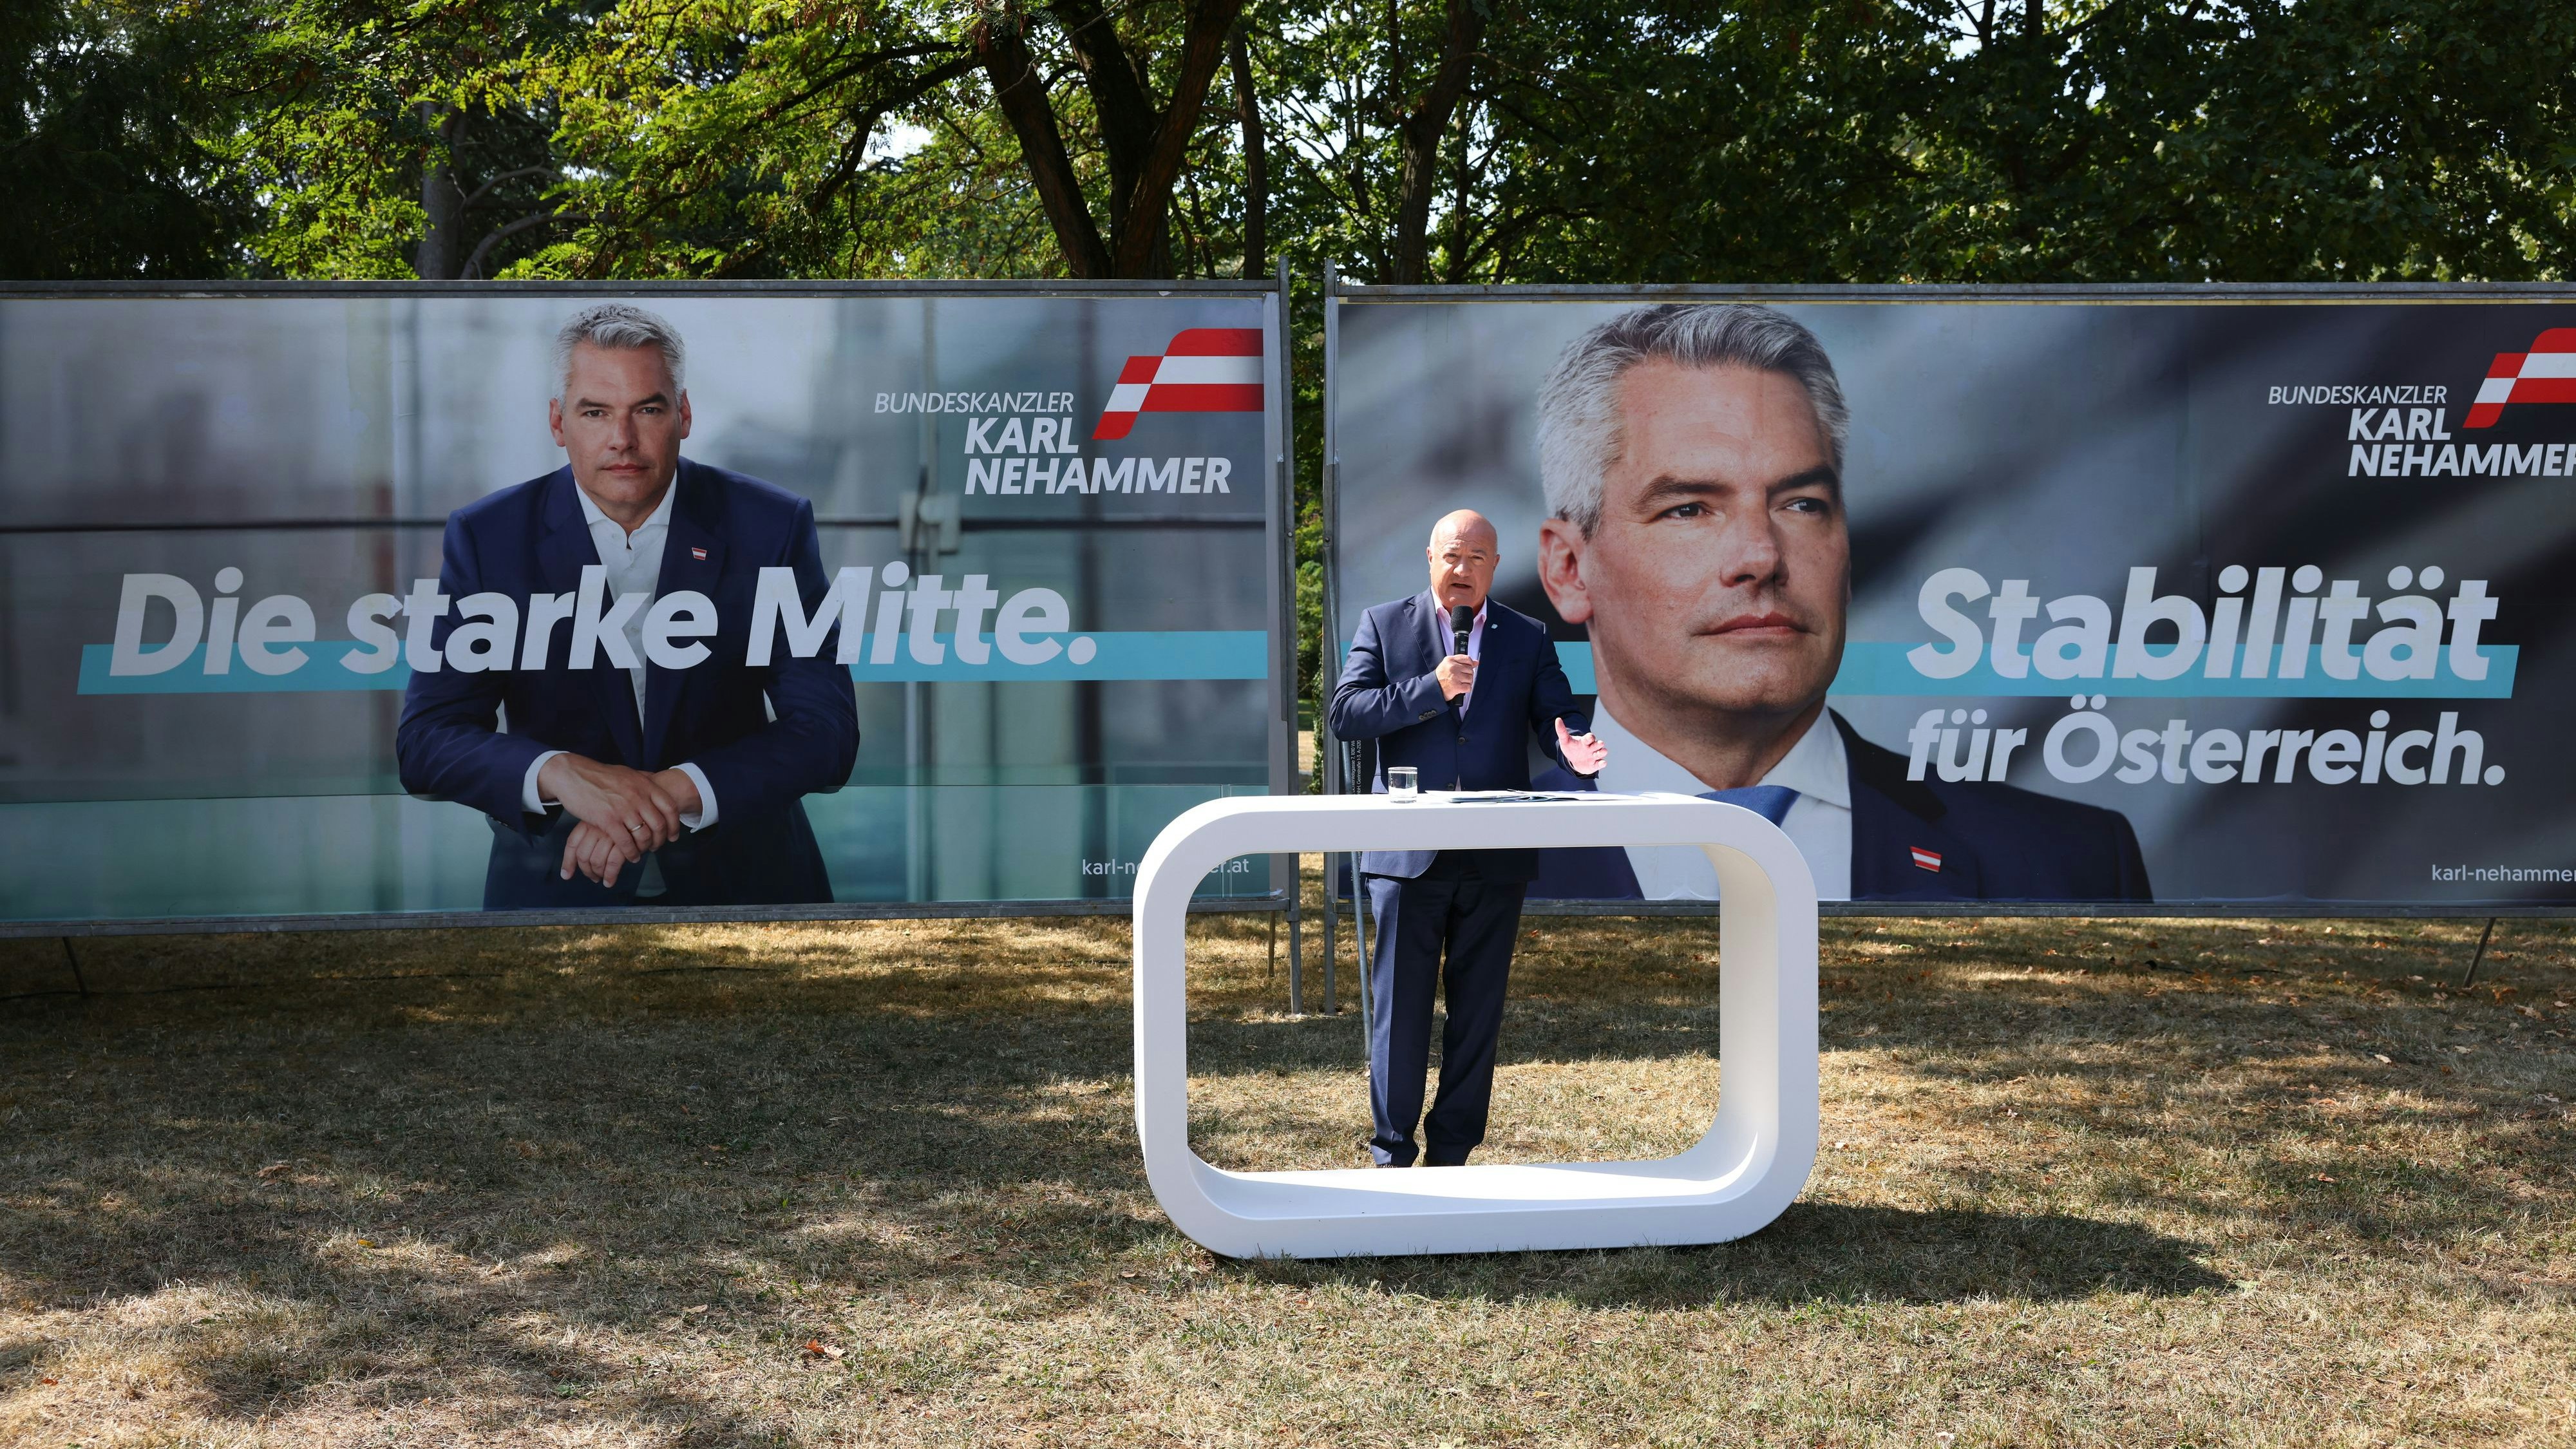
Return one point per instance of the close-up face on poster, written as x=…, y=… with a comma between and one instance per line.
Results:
x=367, y=602
x=2028, y=600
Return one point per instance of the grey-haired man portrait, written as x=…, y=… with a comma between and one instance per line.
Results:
x=622, y=745
x=1693, y=460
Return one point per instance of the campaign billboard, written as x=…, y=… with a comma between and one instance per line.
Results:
x=2134, y=598
x=412, y=601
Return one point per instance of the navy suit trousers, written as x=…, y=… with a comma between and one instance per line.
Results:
x=1454, y=910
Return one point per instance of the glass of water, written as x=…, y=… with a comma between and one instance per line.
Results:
x=1403, y=782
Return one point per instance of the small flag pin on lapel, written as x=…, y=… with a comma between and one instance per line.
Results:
x=699, y=554
x=1928, y=859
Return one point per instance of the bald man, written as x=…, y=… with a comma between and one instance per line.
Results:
x=1453, y=685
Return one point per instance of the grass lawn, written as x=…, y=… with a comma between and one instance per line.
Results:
x=2119, y=1183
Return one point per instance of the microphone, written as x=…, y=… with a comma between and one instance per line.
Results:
x=1462, y=622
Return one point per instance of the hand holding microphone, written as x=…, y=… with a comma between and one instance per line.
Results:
x=1457, y=673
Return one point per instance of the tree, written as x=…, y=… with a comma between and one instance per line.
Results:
x=1771, y=143
x=720, y=140
x=1406, y=140
x=1145, y=144
x=1256, y=159
x=1422, y=125
x=402, y=140
x=110, y=143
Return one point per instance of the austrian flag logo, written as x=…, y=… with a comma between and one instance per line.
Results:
x=1204, y=370
x=2545, y=374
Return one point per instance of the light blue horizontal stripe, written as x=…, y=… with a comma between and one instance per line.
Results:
x=324, y=668
x=1143, y=654
x=1138, y=654
x=1878, y=668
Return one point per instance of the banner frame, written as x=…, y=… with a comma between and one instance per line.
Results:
x=1037, y=287
x=1338, y=291
x=1276, y=522
x=1958, y=293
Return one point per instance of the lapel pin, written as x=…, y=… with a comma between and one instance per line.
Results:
x=699, y=554
x=1928, y=859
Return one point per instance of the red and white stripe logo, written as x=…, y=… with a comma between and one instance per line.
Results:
x=2545, y=374
x=1205, y=370
x=1928, y=859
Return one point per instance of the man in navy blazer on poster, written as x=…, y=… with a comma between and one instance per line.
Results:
x=622, y=746
x=1461, y=713
x=1692, y=457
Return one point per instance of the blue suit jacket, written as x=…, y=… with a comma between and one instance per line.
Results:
x=533, y=539
x=1388, y=693
x=1991, y=842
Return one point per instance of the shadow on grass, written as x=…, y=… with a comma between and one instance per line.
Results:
x=551, y=1165
x=507, y=1217
x=1815, y=1253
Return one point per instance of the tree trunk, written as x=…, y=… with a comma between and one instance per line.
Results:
x=1144, y=249
x=1022, y=94
x=1126, y=110
x=1461, y=243
x=1256, y=166
x=436, y=258
x=1146, y=147
x=1128, y=124
x=1418, y=170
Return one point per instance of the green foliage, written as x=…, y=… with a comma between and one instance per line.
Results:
x=714, y=138
x=1766, y=140
x=1775, y=143
x=371, y=108
x=2262, y=141
x=111, y=133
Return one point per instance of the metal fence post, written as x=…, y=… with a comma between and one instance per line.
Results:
x=1328, y=654
x=1285, y=474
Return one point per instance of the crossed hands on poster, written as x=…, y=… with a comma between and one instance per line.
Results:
x=624, y=813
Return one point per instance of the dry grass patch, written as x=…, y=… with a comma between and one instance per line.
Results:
x=2092, y=1183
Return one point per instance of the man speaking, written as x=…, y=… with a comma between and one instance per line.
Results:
x=1692, y=457
x=1451, y=684
x=624, y=751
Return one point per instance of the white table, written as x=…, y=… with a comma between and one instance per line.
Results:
x=1752, y=1163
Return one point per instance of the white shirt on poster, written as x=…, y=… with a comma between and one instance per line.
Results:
x=634, y=564
x=1819, y=821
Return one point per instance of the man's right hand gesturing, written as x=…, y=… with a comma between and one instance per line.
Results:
x=1457, y=675
x=629, y=806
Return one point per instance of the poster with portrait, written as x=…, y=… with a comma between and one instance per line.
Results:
x=2225, y=597
x=326, y=601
